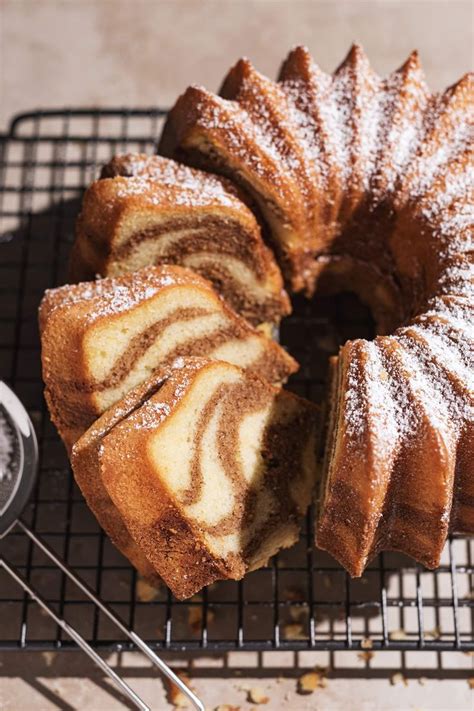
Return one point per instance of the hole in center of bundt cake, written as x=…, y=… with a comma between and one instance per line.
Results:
x=316, y=330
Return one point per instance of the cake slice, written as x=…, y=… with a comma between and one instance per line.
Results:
x=100, y=339
x=151, y=210
x=212, y=474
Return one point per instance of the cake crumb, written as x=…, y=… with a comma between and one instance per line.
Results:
x=293, y=594
x=366, y=643
x=48, y=657
x=257, y=696
x=195, y=617
x=398, y=635
x=398, y=678
x=298, y=614
x=144, y=591
x=365, y=656
x=175, y=695
x=227, y=707
x=294, y=631
x=309, y=682
x=470, y=681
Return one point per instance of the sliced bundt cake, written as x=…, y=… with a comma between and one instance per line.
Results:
x=102, y=338
x=150, y=210
x=368, y=184
x=212, y=474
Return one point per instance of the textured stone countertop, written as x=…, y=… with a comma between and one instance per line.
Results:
x=57, y=53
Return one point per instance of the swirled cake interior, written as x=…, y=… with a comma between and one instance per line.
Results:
x=213, y=473
x=120, y=330
x=149, y=210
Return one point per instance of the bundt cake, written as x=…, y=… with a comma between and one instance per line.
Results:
x=100, y=339
x=367, y=184
x=212, y=474
x=150, y=210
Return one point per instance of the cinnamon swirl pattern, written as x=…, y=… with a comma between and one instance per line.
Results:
x=149, y=210
x=100, y=339
x=212, y=474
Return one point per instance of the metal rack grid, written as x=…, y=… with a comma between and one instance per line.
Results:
x=304, y=600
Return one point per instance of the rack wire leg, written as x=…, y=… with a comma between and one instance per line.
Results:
x=123, y=686
x=132, y=636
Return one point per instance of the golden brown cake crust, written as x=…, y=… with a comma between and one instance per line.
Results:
x=367, y=183
x=86, y=468
x=143, y=201
x=159, y=524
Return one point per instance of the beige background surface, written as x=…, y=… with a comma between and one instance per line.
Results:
x=144, y=52
x=67, y=681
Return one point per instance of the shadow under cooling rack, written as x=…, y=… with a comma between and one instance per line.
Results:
x=304, y=600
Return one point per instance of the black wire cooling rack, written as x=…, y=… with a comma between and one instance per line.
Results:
x=304, y=600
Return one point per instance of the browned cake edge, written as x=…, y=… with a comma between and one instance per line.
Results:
x=173, y=544
x=86, y=469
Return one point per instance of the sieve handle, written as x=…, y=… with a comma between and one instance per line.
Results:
x=132, y=636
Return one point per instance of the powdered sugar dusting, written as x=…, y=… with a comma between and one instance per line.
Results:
x=266, y=107
x=161, y=180
x=150, y=415
x=416, y=395
x=7, y=448
x=449, y=205
x=405, y=96
x=305, y=122
x=453, y=337
x=357, y=114
x=448, y=133
x=188, y=192
x=366, y=129
x=232, y=135
x=446, y=371
x=369, y=410
x=114, y=295
x=455, y=310
x=335, y=114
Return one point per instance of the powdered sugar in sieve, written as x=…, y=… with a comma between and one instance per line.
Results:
x=9, y=458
